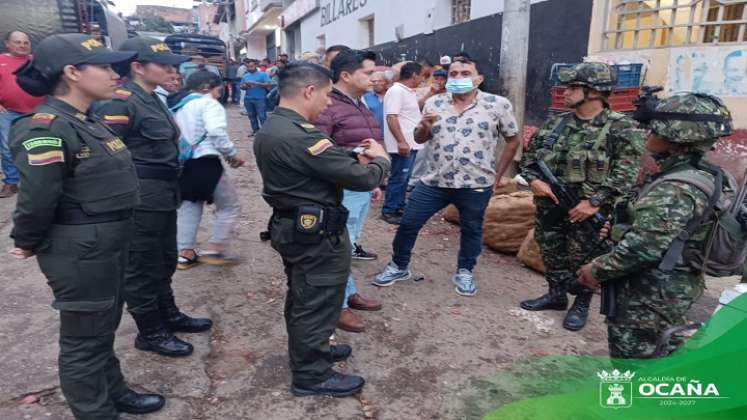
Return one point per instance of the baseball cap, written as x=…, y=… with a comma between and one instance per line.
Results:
x=441, y=73
x=152, y=50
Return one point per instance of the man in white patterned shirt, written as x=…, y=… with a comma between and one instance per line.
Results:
x=461, y=129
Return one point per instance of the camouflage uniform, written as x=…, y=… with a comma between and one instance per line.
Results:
x=649, y=300
x=600, y=158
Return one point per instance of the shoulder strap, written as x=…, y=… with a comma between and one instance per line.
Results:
x=184, y=101
x=712, y=189
x=556, y=132
x=601, y=139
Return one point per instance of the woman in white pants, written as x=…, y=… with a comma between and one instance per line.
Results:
x=202, y=120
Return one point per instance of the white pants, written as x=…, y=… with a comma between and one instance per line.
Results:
x=227, y=211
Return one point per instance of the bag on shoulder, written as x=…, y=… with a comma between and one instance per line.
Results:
x=186, y=148
x=725, y=248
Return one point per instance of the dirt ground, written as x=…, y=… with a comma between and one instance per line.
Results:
x=423, y=355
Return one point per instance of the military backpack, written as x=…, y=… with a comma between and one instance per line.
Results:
x=725, y=247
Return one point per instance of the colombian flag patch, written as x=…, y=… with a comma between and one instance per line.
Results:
x=42, y=119
x=122, y=93
x=320, y=146
x=116, y=119
x=47, y=158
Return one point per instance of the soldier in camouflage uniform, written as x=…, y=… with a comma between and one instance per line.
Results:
x=595, y=152
x=648, y=299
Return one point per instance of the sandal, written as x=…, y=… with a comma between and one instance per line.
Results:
x=185, y=263
x=217, y=258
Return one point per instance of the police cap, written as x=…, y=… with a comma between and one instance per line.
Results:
x=152, y=50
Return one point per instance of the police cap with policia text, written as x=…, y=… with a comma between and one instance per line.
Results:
x=57, y=51
x=152, y=50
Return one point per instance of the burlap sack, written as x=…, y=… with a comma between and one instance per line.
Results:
x=508, y=219
x=451, y=214
x=529, y=253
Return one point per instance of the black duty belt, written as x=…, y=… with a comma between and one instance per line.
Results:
x=76, y=216
x=325, y=221
x=150, y=172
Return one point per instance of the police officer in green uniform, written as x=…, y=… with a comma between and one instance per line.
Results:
x=141, y=119
x=304, y=174
x=596, y=153
x=74, y=212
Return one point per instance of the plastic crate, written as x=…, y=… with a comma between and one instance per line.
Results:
x=620, y=100
x=628, y=75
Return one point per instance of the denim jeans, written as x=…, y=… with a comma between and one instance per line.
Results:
x=396, y=187
x=357, y=203
x=9, y=168
x=425, y=201
x=256, y=109
x=235, y=92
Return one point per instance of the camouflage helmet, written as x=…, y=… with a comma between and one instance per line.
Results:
x=691, y=118
x=597, y=76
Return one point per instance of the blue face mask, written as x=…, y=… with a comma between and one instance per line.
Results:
x=458, y=86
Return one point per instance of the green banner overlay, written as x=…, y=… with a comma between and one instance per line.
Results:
x=705, y=379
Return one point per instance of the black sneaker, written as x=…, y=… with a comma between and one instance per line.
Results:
x=360, y=254
x=391, y=218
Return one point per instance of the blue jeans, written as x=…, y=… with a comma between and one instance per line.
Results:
x=9, y=168
x=425, y=201
x=357, y=204
x=235, y=92
x=256, y=109
x=396, y=187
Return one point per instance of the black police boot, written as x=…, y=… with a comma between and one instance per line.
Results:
x=179, y=322
x=176, y=321
x=134, y=403
x=554, y=299
x=576, y=317
x=153, y=336
x=163, y=342
x=338, y=385
x=340, y=352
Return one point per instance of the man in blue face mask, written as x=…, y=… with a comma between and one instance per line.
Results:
x=460, y=129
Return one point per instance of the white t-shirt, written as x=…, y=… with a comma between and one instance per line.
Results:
x=401, y=101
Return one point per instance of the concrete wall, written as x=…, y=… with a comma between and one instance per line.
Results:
x=412, y=17
x=551, y=40
x=701, y=68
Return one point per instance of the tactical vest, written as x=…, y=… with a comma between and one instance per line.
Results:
x=103, y=177
x=588, y=164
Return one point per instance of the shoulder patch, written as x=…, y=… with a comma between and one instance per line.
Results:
x=42, y=119
x=319, y=147
x=308, y=127
x=122, y=93
x=116, y=119
x=31, y=144
x=46, y=158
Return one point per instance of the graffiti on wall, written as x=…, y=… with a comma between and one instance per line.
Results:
x=719, y=71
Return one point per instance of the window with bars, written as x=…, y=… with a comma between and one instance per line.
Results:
x=636, y=24
x=460, y=11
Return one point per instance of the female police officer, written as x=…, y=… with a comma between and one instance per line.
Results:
x=78, y=190
x=139, y=117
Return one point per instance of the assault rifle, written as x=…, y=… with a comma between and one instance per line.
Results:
x=567, y=201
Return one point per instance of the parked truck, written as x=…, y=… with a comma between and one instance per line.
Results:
x=41, y=18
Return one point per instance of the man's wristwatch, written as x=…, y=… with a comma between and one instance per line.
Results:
x=596, y=200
